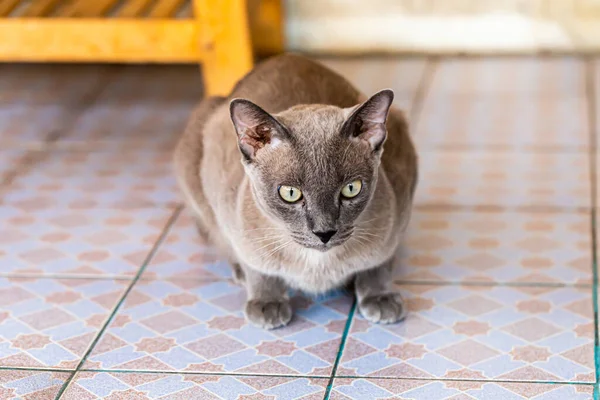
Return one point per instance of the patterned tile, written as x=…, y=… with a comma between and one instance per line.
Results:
x=517, y=180
x=122, y=179
x=105, y=385
x=358, y=389
x=184, y=255
x=31, y=385
x=51, y=322
x=564, y=76
x=31, y=84
x=454, y=246
x=480, y=333
x=10, y=159
x=107, y=242
x=373, y=74
x=200, y=326
x=21, y=123
x=162, y=84
x=133, y=125
x=496, y=122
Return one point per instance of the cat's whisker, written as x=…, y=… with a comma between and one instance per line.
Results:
x=269, y=244
x=369, y=221
x=279, y=248
x=367, y=239
x=263, y=229
x=369, y=234
x=264, y=238
x=360, y=242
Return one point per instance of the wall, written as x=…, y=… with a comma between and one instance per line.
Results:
x=442, y=26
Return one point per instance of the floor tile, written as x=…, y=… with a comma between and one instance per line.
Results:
x=500, y=247
x=358, y=389
x=479, y=333
x=26, y=124
x=52, y=322
x=185, y=255
x=97, y=242
x=497, y=122
x=10, y=160
x=122, y=179
x=31, y=84
x=564, y=76
x=105, y=385
x=371, y=75
x=153, y=83
x=31, y=385
x=200, y=326
x=513, y=180
x=141, y=125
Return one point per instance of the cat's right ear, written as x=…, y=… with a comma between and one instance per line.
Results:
x=255, y=127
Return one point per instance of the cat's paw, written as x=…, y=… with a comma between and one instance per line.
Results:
x=385, y=308
x=269, y=314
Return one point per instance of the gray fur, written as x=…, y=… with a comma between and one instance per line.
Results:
x=296, y=123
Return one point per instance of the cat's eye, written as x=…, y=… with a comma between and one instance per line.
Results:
x=290, y=194
x=352, y=189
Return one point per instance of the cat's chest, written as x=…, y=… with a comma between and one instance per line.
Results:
x=319, y=272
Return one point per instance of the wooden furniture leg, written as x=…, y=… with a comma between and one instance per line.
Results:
x=225, y=43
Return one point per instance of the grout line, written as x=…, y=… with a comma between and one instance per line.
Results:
x=416, y=107
x=488, y=208
x=40, y=369
x=338, y=357
x=398, y=281
x=441, y=379
x=66, y=276
x=592, y=120
x=36, y=153
x=170, y=372
x=424, y=282
x=141, y=270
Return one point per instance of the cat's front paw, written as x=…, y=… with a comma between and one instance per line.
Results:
x=385, y=308
x=269, y=314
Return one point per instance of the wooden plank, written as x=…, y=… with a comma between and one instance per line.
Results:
x=99, y=40
x=38, y=8
x=6, y=7
x=225, y=43
x=165, y=8
x=134, y=8
x=266, y=26
x=87, y=9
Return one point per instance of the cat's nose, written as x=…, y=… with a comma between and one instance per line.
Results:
x=325, y=236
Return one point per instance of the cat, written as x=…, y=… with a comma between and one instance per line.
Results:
x=289, y=179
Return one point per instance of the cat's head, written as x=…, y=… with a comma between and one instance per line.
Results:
x=313, y=168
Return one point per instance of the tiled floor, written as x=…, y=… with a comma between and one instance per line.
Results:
x=107, y=292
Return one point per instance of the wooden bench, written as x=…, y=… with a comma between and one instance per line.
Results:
x=215, y=33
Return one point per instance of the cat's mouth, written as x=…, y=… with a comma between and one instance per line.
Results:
x=336, y=241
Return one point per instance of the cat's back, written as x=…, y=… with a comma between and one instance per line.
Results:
x=289, y=79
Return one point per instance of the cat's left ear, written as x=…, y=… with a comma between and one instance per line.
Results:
x=367, y=121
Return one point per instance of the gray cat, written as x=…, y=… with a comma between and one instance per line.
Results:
x=288, y=177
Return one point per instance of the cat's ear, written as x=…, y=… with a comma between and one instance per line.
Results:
x=367, y=121
x=255, y=127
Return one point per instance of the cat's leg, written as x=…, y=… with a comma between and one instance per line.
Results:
x=268, y=303
x=377, y=300
x=238, y=273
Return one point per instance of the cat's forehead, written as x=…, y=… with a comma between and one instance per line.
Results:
x=313, y=122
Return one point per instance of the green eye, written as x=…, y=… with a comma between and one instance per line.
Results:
x=290, y=193
x=352, y=189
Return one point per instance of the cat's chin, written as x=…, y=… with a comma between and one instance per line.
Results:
x=321, y=247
